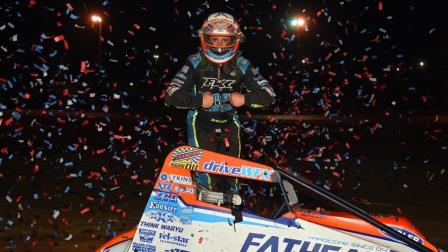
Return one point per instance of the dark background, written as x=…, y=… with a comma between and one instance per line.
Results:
x=371, y=122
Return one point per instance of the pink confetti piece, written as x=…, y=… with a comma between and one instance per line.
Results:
x=85, y=210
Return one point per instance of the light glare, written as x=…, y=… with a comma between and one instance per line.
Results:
x=96, y=19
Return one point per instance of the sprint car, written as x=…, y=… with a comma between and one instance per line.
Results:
x=265, y=213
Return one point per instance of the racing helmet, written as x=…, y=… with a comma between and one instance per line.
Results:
x=220, y=37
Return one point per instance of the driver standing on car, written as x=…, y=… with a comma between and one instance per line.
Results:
x=211, y=84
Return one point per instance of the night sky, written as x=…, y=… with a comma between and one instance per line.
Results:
x=391, y=35
x=84, y=122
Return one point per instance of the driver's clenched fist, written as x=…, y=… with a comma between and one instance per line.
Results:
x=207, y=100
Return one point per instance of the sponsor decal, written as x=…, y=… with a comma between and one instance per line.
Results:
x=168, y=197
x=166, y=237
x=176, y=250
x=263, y=242
x=184, y=69
x=181, y=76
x=404, y=232
x=313, y=214
x=185, y=180
x=186, y=210
x=328, y=240
x=164, y=187
x=146, y=235
x=187, y=155
x=243, y=171
x=162, y=207
x=221, y=84
x=171, y=228
x=183, y=189
x=140, y=247
x=149, y=224
x=162, y=217
x=187, y=166
x=185, y=220
x=172, y=89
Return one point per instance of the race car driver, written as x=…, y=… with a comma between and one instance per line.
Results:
x=215, y=81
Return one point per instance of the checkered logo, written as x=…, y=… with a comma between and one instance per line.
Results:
x=187, y=155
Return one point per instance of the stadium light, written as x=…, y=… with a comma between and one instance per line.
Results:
x=298, y=22
x=96, y=19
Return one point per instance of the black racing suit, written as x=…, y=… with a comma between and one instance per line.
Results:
x=217, y=128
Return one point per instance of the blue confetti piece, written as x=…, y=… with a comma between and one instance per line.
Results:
x=88, y=185
x=16, y=115
x=67, y=189
x=73, y=16
x=50, y=145
x=68, y=164
x=38, y=48
x=108, y=229
x=320, y=102
x=71, y=147
x=126, y=162
x=49, y=9
x=35, y=196
x=44, y=36
x=359, y=91
x=53, y=53
x=63, y=67
x=199, y=11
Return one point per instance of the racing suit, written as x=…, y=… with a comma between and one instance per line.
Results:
x=217, y=128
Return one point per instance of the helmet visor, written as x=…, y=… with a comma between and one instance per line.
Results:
x=220, y=44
